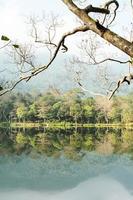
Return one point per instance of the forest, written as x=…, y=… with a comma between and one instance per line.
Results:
x=72, y=106
x=66, y=109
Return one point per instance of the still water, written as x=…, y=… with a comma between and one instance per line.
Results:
x=58, y=164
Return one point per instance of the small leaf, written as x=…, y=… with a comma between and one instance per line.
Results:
x=5, y=38
x=15, y=46
x=1, y=88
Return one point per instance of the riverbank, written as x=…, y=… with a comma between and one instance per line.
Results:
x=63, y=125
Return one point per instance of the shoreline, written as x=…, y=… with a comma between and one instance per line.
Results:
x=62, y=125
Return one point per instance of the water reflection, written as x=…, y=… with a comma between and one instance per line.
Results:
x=94, y=164
x=73, y=144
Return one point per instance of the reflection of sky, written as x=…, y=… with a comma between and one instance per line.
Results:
x=95, y=176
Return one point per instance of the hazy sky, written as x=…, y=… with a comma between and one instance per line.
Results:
x=14, y=16
x=14, y=13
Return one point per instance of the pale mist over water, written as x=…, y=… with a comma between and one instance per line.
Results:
x=51, y=170
x=95, y=177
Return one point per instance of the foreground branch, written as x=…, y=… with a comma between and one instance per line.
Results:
x=90, y=8
x=44, y=67
x=126, y=79
x=114, y=39
x=107, y=7
x=61, y=43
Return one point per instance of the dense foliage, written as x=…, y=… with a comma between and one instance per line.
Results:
x=72, y=106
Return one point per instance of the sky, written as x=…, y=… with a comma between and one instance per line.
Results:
x=14, y=16
x=13, y=21
x=14, y=13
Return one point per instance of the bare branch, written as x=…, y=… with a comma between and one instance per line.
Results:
x=11, y=88
x=25, y=59
x=5, y=45
x=113, y=60
x=42, y=68
x=114, y=39
x=78, y=81
x=48, y=25
x=61, y=42
x=126, y=79
x=90, y=8
x=115, y=10
x=77, y=60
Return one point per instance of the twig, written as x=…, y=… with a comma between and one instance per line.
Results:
x=113, y=60
x=5, y=45
x=102, y=61
x=10, y=89
x=91, y=92
x=126, y=79
x=61, y=42
x=44, y=67
x=78, y=81
x=107, y=7
x=90, y=8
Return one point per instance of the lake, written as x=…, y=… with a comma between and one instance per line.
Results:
x=62, y=164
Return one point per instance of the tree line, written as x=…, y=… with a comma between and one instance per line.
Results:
x=72, y=106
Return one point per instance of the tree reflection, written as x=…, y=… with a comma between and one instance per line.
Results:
x=69, y=142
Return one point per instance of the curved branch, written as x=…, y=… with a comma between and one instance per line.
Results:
x=117, y=6
x=86, y=90
x=107, y=7
x=113, y=60
x=91, y=92
x=102, y=61
x=90, y=8
x=61, y=42
x=126, y=79
x=42, y=68
x=10, y=89
x=114, y=39
x=5, y=45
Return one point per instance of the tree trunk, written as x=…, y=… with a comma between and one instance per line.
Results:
x=114, y=39
x=76, y=123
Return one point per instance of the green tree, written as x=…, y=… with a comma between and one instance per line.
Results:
x=32, y=112
x=22, y=112
x=89, y=112
x=115, y=114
